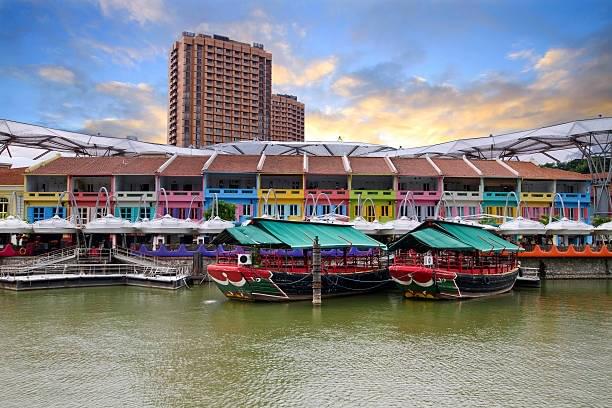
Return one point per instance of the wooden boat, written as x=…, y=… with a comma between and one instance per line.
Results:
x=278, y=265
x=444, y=260
x=528, y=278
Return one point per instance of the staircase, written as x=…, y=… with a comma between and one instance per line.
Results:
x=133, y=257
x=41, y=261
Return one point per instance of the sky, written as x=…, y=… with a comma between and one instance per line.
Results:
x=402, y=73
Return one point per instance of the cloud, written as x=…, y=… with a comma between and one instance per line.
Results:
x=557, y=57
x=344, y=85
x=121, y=55
x=138, y=112
x=56, y=73
x=141, y=11
x=522, y=54
x=289, y=70
x=565, y=84
x=309, y=75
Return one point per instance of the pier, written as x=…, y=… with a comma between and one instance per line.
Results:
x=92, y=268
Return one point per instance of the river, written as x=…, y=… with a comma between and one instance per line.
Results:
x=135, y=347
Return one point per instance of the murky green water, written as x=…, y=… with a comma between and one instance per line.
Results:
x=137, y=347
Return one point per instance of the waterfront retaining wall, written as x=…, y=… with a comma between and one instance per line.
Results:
x=570, y=268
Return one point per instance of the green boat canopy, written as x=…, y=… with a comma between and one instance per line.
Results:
x=247, y=235
x=443, y=235
x=296, y=235
x=425, y=240
x=478, y=238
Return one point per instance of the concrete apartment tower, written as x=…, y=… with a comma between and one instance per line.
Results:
x=220, y=91
x=287, y=118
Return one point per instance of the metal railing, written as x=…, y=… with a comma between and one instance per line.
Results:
x=98, y=270
x=49, y=257
x=134, y=256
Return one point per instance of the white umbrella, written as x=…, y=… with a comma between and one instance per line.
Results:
x=14, y=225
x=369, y=227
x=568, y=227
x=54, y=225
x=605, y=228
x=521, y=226
x=331, y=219
x=473, y=223
x=214, y=226
x=401, y=225
x=167, y=225
x=109, y=224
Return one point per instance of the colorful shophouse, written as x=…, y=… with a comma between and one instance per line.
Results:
x=11, y=192
x=372, y=180
x=281, y=186
x=461, y=191
x=135, y=187
x=500, y=188
x=181, y=179
x=232, y=179
x=419, y=181
x=539, y=187
x=260, y=184
x=44, y=186
x=326, y=182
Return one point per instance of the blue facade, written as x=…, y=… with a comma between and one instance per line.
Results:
x=574, y=203
x=245, y=200
x=42, y=213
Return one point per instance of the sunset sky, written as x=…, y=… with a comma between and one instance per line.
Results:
x=400, y=73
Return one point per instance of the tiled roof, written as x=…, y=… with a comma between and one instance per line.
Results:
x=491, y=168
x=455, y=168
x=140, y=165
x=234, y=164
x=283, y=165
x=414, y=167
x=101, y=166
x=185, y=166
x=11, y=177
x=370, y=166
x=528, y=170
x=325, y=165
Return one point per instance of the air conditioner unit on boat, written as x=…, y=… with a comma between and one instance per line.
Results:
x=244, y=259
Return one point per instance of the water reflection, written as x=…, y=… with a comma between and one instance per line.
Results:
x=139, y=347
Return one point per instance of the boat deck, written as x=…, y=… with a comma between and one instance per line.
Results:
x=81, y=275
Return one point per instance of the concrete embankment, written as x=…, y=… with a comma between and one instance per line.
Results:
x=570, y=268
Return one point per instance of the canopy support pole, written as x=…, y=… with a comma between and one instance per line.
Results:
x=316, y=272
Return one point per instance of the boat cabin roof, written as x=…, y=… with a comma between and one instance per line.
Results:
x=296, y=235
x=444, y=235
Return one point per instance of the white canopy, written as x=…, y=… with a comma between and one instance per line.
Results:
x=167, y=225
x=568, y=227
x=369, y=227
x=522, y=226
x=587, y=132
x=214, y=226
x=54, y=225
x=109, y=224
x=562, y=136
x=473, y=223
x=14, y=225
x=400, y=226
x=605, y=228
